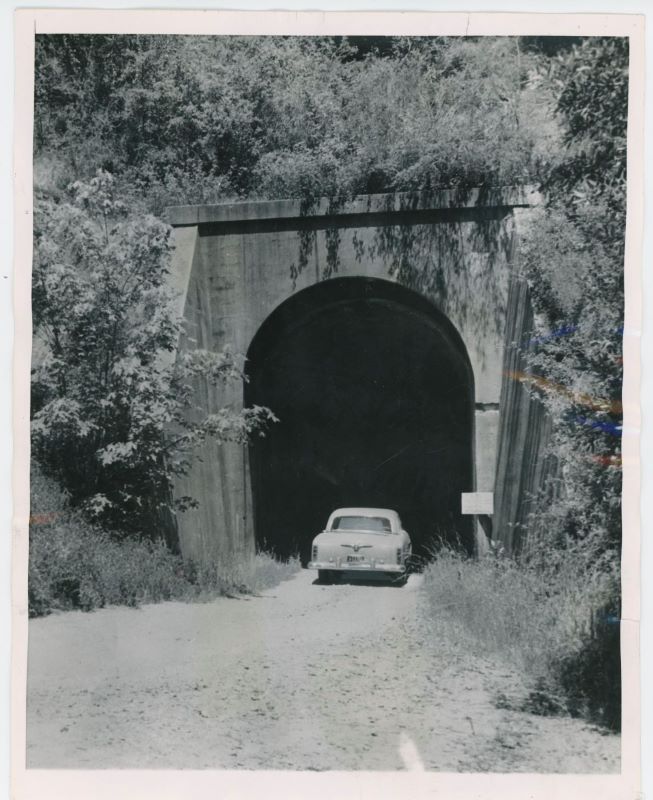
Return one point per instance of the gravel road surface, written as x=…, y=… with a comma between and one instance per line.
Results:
x=305, y=677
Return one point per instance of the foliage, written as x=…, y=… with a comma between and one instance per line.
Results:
x=551, y=620
x=192, y=119
x=573, y=256
x=113, y=414
x=76, y=565
x=592, y=98
x=239, y=574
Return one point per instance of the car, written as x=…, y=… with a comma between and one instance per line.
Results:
x=369, y=542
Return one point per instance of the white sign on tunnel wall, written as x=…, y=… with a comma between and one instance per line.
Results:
x=477, y=502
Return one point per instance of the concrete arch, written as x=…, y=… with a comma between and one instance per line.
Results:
x=241, y=269
x=375, y=393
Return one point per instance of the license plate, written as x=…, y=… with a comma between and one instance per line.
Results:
x=355, y=558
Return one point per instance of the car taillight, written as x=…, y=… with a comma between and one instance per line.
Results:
x=399, y=555
x=314, y=552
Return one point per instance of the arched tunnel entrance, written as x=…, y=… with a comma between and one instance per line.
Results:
x=374, y=392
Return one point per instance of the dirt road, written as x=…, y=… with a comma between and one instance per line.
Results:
x=307, y=677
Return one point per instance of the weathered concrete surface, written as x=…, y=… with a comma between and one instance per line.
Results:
x=397, y=202
x=455, y=248
x=524, y=432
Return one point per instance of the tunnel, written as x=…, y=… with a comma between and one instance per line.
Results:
x=374, y=393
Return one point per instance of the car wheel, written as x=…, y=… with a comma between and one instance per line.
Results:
x=325, y=576
x=413, y=564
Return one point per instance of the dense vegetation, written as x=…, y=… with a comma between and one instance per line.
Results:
x=574, y=258
x=105, y=390
x=74, y=564
x=548, y=624
x=190, y=119
x=125, y=125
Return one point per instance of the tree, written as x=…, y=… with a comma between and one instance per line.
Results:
x=110, y=405
x=197, y=119
x=573, y=257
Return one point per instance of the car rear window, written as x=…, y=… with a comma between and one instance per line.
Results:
x=380, y=524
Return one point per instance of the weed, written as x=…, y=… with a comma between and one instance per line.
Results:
x=552, y=624
x=74, y=565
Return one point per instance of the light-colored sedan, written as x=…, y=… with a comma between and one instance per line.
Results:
x=366, y=541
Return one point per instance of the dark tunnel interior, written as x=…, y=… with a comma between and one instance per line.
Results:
x=374, y=392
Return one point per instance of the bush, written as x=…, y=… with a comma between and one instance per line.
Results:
x=114, y=415
x=242, y=575
x=74, y=565
x=553, y=625
x=181, y=119
x=591, y=676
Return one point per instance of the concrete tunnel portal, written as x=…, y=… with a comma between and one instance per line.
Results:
x=374, y=393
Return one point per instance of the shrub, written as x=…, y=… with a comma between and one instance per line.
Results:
x=76, y=565
x=242, y=575
x=557, y=626
x=572, y=256
x=114, y=414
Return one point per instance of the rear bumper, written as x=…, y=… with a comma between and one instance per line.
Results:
x=348, y=566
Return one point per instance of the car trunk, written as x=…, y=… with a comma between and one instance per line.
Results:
x=359, y=549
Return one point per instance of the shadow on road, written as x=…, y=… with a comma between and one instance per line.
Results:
x=355, y=580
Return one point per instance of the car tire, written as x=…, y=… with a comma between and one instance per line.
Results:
x=413, y=565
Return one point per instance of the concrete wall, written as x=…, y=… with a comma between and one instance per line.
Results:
x=523, y=466
x=235, y=264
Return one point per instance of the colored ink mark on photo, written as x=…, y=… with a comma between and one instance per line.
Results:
x=601, y=425
x=605, y=460
x=565, y=330
x=44, y=519
x=580, y=398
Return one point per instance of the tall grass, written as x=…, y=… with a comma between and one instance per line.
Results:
x=75, y=565
x=555, y=622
